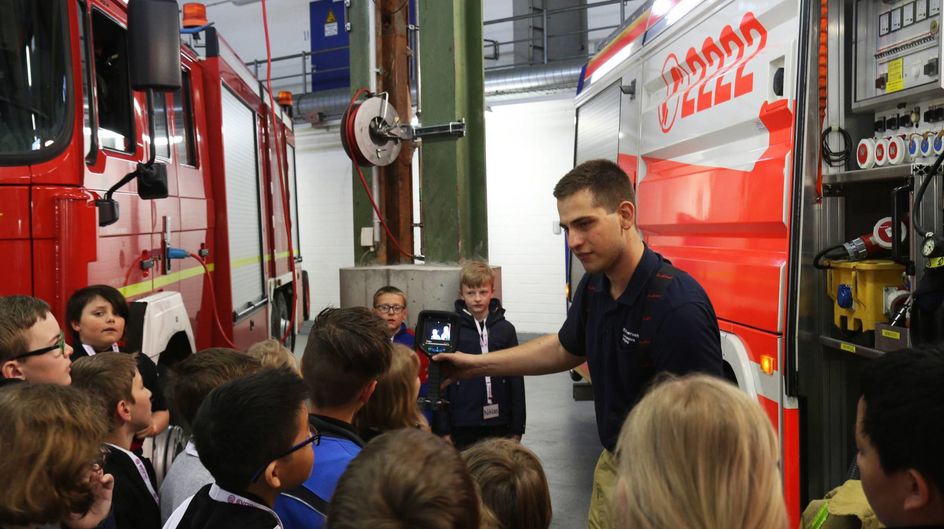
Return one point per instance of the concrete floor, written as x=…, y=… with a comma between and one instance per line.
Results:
x=561, y=432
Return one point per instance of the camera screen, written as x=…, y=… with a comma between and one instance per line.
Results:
x=437, y=336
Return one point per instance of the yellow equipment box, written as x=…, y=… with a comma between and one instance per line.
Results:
x=857, y=289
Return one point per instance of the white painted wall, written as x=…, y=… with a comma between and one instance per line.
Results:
x=325, y=209
x=529, y=147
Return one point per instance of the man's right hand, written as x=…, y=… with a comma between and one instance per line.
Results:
x=457, y=366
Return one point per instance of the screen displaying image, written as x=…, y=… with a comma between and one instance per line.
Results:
x=437, y=336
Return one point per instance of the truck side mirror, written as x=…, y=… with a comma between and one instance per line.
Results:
x=154, y=44
x=152, y=184
x=152, y=181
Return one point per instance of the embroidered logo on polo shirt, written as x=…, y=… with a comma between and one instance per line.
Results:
x=630, y=336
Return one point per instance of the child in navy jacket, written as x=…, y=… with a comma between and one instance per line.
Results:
x=484, y=407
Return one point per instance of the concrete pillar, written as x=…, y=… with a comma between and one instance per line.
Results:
x=455, y=222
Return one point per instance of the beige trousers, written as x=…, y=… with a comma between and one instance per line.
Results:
x=604, y=481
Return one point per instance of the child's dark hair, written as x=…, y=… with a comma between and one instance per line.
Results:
x=194, y=377
x=246, y=423
x=903, y=392
x=82, y=297
x=347, y=349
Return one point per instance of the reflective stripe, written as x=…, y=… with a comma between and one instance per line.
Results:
x=821, y=516
x=136, y=289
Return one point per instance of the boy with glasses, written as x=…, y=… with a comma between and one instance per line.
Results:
x=191, y=380
x=32, y=347
x=254, y=437
x=347, y=352
x=390, y=306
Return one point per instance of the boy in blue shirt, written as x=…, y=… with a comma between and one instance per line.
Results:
x=489, y=406
x=348, y=350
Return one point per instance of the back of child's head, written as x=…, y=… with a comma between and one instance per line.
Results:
x=389, y=289
x=246, y=423
x=476, y=274
x=109, y=375
x=902, y=391
x=407, y=479
x=51, y=436
x=194, y=377
x=347, y=350
x=272, y=353
x=17, y=315
x=734, y=481
x=82, y=297
x=512, y=483
x=393, y=404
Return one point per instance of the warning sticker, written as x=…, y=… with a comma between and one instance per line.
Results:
x=896, y=81
x=331, y=24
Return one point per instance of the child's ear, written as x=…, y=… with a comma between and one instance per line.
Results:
x=75, y=326
x=367, y=392
x=919, y=493
x=11, y=369
x=123, y=410
x=271, y=475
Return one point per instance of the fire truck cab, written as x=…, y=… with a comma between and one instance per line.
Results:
x=154, y=192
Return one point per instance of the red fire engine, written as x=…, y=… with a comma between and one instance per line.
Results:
x=204, y=196
x=760, y=136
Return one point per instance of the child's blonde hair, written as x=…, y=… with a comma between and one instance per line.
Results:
x=271, y=353
x=697, y=452
x=393, y=404
x=476, y=274
x=512, y=484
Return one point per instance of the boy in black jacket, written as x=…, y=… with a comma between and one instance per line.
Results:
x=253, y=436
x=484, y=407
x=115, y=379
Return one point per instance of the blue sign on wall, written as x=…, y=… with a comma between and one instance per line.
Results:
x=331, y=57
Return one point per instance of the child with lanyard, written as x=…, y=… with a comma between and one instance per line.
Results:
x=115, y=379
x=253, y=436
x=489, y=406
x=97, y=315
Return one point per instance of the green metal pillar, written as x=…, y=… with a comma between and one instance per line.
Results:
x=455, y=222
x=358, y=18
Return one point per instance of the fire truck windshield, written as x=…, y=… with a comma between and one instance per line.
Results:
x=35, y=92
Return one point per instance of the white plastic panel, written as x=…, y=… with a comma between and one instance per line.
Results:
x=293, y=199
x=242, y=201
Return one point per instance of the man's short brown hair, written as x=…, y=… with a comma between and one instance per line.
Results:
x=109, y=375
x=17, y=315
x=405, y=478
x=347, y=350
x=194, y=377
x=608, y=184
x=476, y=274
x=389, y=289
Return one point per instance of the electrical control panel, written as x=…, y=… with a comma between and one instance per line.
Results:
x=897, y=48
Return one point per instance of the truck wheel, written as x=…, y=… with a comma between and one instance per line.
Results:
x=306, y=296
x=280, y=317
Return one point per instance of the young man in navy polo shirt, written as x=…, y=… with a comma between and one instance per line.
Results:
x=633, y=315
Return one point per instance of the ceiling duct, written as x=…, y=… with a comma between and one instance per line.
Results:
x=505, y=84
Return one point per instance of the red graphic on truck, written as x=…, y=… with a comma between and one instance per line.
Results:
x=712, y=64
